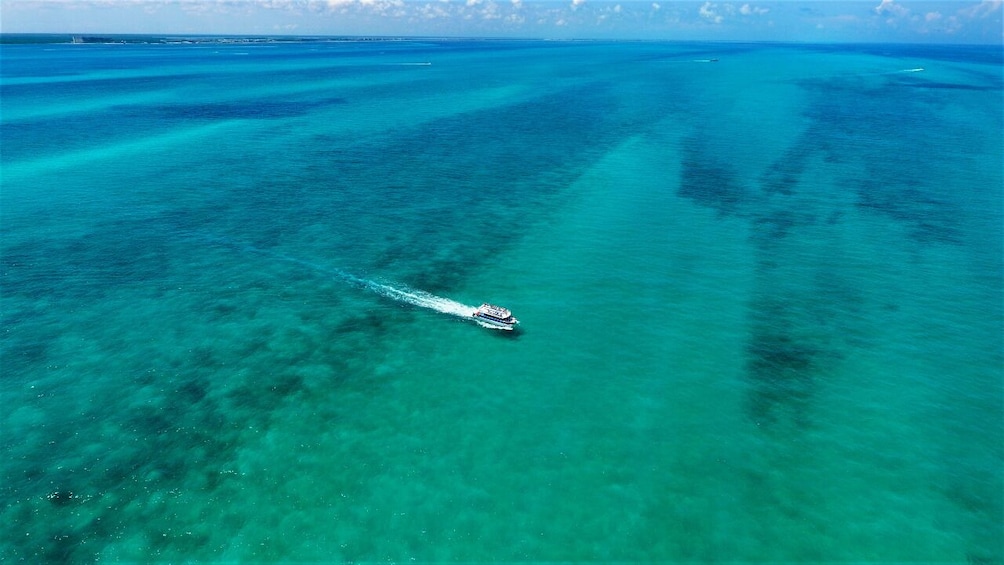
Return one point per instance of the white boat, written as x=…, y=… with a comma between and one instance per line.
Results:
x=492, y=316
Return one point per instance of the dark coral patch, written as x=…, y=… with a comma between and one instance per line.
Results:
x=710, y=183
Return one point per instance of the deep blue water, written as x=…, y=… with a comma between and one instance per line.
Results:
x=761, y=302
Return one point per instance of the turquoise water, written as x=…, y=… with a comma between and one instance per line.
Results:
x=761, y=302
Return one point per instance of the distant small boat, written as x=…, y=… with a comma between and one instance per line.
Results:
x=492, y=316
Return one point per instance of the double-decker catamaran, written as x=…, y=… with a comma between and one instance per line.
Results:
x=492, y=316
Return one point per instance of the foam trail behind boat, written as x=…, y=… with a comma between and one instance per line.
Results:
x=423, y=299
x=400, y=293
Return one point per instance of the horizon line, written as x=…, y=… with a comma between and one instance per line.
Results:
x=393, y=37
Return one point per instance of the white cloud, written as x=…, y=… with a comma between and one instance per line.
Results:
x=981, y=10
x=709, y=12
x=748, y=10
x=383, y=7
x=965, y=19
x=280, y=4
x=433, y=11
x=952, y=25
x=491, y=12
x=891, y=8
x=936, y=23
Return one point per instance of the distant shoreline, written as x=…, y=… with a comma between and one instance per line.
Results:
x=980, y=53
x=174, y=39
x=63, y=38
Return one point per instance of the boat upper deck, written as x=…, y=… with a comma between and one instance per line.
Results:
x=494, y=311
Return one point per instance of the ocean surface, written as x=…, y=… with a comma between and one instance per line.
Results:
x=759, y=286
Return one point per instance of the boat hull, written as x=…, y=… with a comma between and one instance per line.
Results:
x=492, y=323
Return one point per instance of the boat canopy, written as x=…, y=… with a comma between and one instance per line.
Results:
x=495, y=311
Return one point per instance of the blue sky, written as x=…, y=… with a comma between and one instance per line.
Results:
x=945, y=21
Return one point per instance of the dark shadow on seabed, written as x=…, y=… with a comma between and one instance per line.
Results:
x=807, y=319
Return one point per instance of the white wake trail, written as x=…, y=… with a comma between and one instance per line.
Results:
x=423, y=299
x=400, y=293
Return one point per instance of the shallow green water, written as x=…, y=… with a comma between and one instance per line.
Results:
x=760, y=301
